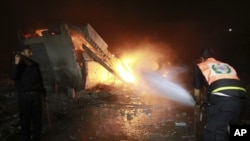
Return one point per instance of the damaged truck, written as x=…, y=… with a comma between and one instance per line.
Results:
x=72, y=57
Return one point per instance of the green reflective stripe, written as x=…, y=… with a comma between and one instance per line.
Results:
x=229, y=88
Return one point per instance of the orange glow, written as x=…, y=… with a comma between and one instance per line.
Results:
x=39, y=31
x=146, y=58
x=99, y=75
x=128, y=67
x=133, y=63
x=78, y=40
x=77, y=43
x=125, y=72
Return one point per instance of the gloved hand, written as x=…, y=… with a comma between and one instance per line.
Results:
x=197, y=100
x=197, y=105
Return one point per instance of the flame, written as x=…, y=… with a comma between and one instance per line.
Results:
x=131, y=64
x=125, y=71
x=36, y=33
x=40, y=31
x=131, y=67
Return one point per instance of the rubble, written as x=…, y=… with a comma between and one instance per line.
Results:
x=104, y=114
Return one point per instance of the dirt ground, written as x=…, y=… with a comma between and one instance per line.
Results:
x=107, y=115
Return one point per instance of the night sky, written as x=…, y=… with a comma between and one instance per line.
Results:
x=184, y=26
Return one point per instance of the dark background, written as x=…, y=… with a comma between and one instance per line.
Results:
x=185, y=26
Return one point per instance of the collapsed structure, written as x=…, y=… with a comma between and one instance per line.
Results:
x=72, y=57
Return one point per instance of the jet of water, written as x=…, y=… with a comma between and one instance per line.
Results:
x=166, y=88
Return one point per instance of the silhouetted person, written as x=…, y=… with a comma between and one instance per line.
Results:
x=29, y=84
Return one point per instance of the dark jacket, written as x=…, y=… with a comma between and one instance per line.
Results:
x=27, y=77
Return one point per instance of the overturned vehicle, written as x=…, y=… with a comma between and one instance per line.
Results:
x=72, y=57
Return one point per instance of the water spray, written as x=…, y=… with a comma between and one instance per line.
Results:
x=164, y=87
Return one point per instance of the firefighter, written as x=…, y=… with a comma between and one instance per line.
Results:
x=226, y=95
x=29, y=84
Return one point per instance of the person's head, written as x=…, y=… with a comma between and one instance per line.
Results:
x=26, y=51
x=206, y=53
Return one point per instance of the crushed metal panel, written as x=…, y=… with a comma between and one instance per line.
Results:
x=86, y=57
x=40, y=55
x=60, y=53
x=92, y=67
x=92, y=45
x=94, y=38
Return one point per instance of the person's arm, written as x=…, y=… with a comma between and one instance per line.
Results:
x=198, y=84
x=197, y=95
x=14, y=73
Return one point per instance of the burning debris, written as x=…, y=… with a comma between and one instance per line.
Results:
x=73, y=57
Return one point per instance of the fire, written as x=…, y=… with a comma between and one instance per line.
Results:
x=125, y=71
x=36, y=33
x=40, y=31
x=130, y=67
x=132, y=64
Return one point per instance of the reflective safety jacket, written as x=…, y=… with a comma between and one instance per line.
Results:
x=221, y=77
